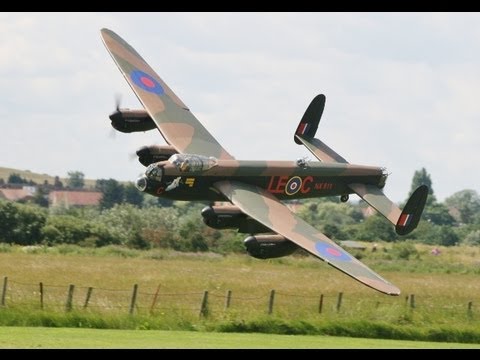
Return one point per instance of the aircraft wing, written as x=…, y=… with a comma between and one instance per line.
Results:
x=269, y=211
x=176, y=123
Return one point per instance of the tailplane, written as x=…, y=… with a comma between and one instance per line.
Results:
x=404, y=221
x=306, y=130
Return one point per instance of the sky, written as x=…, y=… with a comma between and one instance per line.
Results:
x=402, y=89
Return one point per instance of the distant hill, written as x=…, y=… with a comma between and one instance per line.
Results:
x=39, y=178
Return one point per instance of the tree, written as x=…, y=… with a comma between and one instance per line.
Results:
x=473, y=238
x=41, y=197
x=446, y=236
x=467, y=202
x=133, y=195
x=57, y=184
x=31, y=220
x=112, y=191
x=127, y=224
x=324, y=213
x=421, y=177
x=67, y=229
x=438, y=214
x=190, y=237
x=15, y=178
x=429, y=233
x=21, y=224
x=375, y=228
x=163, y=202
x=8, y=220
x=75, y=180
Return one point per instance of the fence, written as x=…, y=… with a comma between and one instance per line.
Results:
x=132, y=301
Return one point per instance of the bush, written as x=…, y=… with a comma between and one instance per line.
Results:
x=473, y=238
x=21, y=224
x=66, y=229
x=404, y=250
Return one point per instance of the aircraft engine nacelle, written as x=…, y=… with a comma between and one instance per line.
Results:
x=154, y=153
x=128, y=121
x=231, y=217
x=269, y=246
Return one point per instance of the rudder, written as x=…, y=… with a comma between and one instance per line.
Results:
x=309, y=124
x=412, y=211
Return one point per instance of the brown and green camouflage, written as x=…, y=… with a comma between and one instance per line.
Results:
x=194, y=166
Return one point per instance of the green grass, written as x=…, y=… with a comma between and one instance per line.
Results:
x=440, y=312
x=63, y=338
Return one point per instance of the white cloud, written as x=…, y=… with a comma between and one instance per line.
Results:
x=401, y=88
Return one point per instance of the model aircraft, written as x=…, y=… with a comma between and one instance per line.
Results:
x=194, y=166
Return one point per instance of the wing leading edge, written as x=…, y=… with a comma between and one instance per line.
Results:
x=269, y=211
x=176, y=123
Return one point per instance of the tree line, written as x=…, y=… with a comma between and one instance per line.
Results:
x=128, y=217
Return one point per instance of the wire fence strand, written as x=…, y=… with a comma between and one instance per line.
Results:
x=67, y=297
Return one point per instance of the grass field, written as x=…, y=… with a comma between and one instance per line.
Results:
x=65, y=338
x=39, y=178
x=171, y=286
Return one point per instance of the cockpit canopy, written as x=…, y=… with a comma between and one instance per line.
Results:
x=154, y=172
x=186, y=163
x=192, y=163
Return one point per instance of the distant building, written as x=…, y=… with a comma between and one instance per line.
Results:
x=74, y=198
x=24, y=193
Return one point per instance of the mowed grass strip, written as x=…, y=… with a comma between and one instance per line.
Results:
x=67, y=338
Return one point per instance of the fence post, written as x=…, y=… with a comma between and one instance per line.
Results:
x=204, y=305
x=469, y=309
x=339, y=301
x=4, y=291
x=154, y=301
x=228, y=299
x=87, y=298
x=412, y=301
x=270, y=302
x=41, y=295
x=68, y=304
x=134, y=299
x=320, y=304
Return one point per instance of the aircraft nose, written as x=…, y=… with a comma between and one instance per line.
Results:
x=141, y=183
x=116, y=119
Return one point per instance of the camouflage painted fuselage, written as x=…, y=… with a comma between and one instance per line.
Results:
x=284, y=179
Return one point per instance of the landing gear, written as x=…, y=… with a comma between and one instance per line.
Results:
x=344, y=198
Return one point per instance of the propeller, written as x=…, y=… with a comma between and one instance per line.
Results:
x=132, y=156
x=114, y=116
x=118, y=100
x=112, y=134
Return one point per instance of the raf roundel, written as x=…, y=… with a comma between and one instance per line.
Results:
x=330, y=253
x=293, y=185
x=146, y=82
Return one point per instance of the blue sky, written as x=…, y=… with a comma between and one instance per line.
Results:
x=402, y=89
